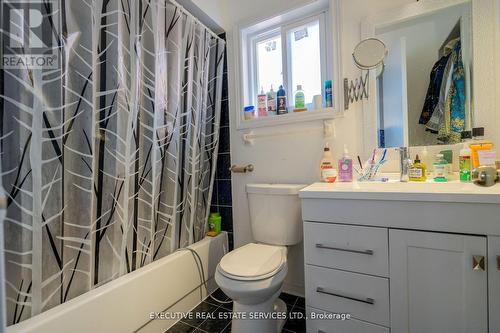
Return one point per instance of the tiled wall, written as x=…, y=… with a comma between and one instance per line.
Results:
x=222, y=196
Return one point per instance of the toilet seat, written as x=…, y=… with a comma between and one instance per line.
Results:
x=253, y=262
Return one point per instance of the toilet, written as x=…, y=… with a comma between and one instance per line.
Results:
x=252, y=275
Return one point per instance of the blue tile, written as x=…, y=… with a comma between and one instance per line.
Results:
x=231, y=242
x=227, y=218
x=214, y=195
x=289, y=299
x=297, y=323
x=223, y=165
x=219, y=321
x=224, y=196
x=224, y=116
x=181, y=327
x=199, y=314
x=224, y=141
x=301, y=303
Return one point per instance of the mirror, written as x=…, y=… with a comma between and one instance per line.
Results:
x=423, y=96
x=369, y=53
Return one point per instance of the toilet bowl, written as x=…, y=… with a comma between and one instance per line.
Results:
x=252, y=275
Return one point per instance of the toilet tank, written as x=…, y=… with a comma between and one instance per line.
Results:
x=275, y=213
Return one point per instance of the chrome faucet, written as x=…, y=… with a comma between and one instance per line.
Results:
x=405, y=163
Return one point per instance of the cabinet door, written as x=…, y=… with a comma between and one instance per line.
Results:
x=438, y=283
x=494, y=283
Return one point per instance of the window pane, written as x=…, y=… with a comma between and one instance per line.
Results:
x=269, y=64
x=306, y=59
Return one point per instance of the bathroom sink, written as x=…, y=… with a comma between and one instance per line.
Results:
x=452, y=191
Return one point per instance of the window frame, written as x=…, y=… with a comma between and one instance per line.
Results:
x=283, y=29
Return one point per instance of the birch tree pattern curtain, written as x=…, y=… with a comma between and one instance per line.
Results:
x=108, y=159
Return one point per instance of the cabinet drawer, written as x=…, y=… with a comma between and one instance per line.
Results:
x=364, y=297
x=350, y=248
x=324, y=324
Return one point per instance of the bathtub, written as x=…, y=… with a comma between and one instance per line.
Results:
x=128, y=303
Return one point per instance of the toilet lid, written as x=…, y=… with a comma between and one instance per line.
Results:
x=253, y=261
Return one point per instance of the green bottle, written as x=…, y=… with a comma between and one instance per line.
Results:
x=465, y=164
x=440, y=169
x=214, y=224
x=300, y=98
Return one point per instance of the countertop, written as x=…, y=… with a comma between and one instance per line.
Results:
x=430, y=191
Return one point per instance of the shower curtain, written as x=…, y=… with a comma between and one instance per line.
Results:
x=108, y=157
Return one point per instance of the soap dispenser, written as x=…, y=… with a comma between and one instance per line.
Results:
x=440, y=169
x=345, y=167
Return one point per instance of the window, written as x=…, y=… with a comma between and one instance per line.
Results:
x=269, y=63
x=291, y=54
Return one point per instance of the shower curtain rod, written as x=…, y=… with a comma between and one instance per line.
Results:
x=185, y=11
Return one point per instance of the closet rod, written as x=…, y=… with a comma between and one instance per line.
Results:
x=185, y=11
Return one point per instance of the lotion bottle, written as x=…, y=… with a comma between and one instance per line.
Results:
x=262, y=103
x=328, y=171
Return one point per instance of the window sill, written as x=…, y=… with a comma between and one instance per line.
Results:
x=290, y=118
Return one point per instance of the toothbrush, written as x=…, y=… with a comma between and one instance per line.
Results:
x=374, y=153
x=382, y=160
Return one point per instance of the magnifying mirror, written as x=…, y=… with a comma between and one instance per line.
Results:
x=370, y=53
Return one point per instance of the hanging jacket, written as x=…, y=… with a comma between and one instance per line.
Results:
x=433, y=91
x=437, y=117
x=453, y=123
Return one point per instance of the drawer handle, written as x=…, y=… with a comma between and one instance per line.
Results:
x=367, y=300
x=329, y=247
x=498, y=263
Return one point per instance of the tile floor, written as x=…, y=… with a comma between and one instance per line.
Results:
x=200, y=325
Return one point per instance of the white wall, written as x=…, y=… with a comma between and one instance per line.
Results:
x=294, y=157
x=211, y=12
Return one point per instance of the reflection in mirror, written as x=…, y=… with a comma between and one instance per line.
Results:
x=423, y=95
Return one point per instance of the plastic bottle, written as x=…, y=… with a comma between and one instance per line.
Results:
x=478, y=144
x=271, y=102
x=281, y=101
x=300, y=99
x=345, y=167
x=214, y=224
x=464, y=158
x=249, y=112
x=328, y=171
x=440, y=169
x=328, y=94
x=417, y=171
x=262, y=103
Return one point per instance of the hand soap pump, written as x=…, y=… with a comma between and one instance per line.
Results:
x=440, y=169
x=345, y=167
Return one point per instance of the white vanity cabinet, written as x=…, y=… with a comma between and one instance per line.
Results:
x=401, y=263
x=494, y=283
x=438, y=282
